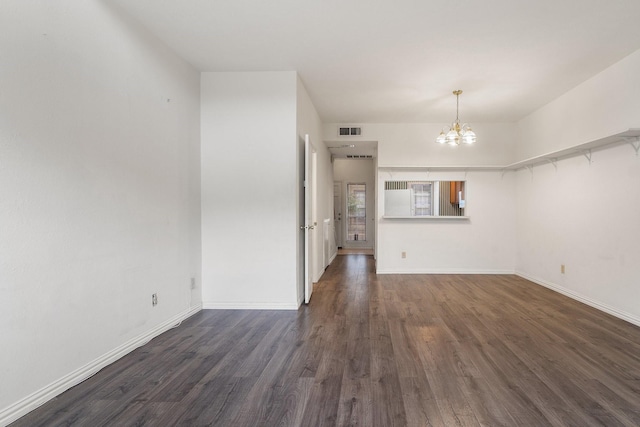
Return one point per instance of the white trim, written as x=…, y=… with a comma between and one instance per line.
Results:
x=211, y=305
x=427, y=217
x=333, y=257
x=444, y=168
x=588, y=301
x=443, y=271
x=34, y=400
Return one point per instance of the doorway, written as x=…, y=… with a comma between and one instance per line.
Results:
x=356, y=212
x=354, y=202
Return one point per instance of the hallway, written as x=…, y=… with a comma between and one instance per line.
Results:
x=374, y=350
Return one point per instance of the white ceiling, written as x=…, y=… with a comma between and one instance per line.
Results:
x=398, y=61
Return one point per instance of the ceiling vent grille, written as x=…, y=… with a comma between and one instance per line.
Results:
x=359, y=156
x=350, y=131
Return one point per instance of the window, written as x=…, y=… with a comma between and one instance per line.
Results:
x=420, y=198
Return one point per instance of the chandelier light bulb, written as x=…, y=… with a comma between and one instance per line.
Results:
x=453, y=138
x=469, y=137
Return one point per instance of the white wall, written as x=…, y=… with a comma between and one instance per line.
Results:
x=485, y=243
x=309, y=123
x=604, y=105
x=584, y=216
x=413, y=144
x=358, y=171
x=249, y=190
x=99, y=206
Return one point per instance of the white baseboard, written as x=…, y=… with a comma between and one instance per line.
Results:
x=443, y=271
x=40, y=397
x=209, y=305
x=588, y=301
x=317, y=277
x=335, y=254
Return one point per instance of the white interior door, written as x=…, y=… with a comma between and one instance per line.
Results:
x=309, y=223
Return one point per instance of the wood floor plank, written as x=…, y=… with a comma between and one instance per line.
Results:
x=324, y=397
x=487, y=405
x=355, y=407
x=369, y=350
x=420, y=405
x=214, y=403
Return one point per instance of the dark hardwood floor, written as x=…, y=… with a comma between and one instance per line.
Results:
x=417, y=350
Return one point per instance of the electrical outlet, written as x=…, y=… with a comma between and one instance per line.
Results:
x=154, y=300
x=193, y=283
x=404, y=254
x=562, y=268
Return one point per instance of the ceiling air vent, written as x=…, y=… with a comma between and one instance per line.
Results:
x=396, y=185
x=358, y=156
x=349, y=131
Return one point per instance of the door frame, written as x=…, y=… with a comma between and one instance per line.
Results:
x=338, y=213
x=369, y=241
x=310, y=224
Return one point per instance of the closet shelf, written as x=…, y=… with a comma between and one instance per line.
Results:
x=631, y=136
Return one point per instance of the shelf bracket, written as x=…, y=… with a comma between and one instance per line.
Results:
x=587, y=154
x=635, y=143
x=530, y=167
x=554, y=162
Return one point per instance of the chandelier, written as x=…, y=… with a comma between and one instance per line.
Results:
x=456, y=133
